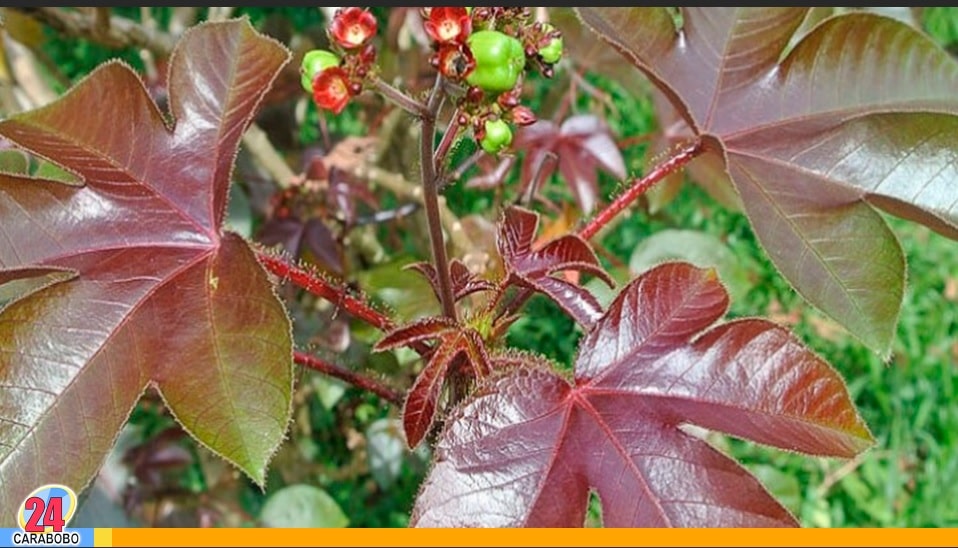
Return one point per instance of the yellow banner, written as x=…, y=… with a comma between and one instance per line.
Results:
x=528, y=537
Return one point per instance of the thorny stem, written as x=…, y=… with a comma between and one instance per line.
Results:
x=321, y=288
x=352, y=377
x=639, y=187
x=430, y=188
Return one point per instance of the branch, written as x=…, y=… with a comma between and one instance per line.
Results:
x=430, y=190
x=640, y=186
x=356, y=379
x=322, y=288
x=402, y=100
x=114, y=32
x=403, y=188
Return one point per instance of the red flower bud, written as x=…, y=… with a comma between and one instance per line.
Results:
x=352, y=27
x=523, y=116
x=448, y=25
x=331, y=89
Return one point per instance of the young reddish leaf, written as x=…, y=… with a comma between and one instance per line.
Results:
x=464, y=282
x=453, y=341
x=534, y=268
x=528, y=446
x=419, y=411
x=582, y=144
x=861, y=112
x=159, y=296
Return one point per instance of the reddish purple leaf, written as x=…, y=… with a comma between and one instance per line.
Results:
x=419, y=411
x=527, y=447
x=464, y=282
x=582, y=144
x=534, y=268
x=158, y=295
x=860, y=112
x=453, y=342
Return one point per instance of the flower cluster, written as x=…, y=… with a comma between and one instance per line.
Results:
x=484, y=50
x=333, y=78
x=487, y=49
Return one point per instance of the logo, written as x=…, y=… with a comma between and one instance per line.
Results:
x=43, y=519
x=47, y=509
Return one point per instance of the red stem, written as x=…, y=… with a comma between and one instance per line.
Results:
x=676, y=161
x=356, y=379
x=321, y=288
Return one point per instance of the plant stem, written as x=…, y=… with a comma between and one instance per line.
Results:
x=639, y=187
x=430, y=189
x=322, y=288
x=352, y=377
x=449, y=137
x=402, y=100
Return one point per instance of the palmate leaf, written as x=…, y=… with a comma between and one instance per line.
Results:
x=526, y=448
x=150, y=291
x=860, y=112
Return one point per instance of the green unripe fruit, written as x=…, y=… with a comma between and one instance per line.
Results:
x=500, y=59
x=552, y=52
x=498, y=137
x=314, y=62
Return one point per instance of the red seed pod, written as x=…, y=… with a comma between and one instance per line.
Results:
x=368, y=54
x=475, y=94
x=352, y=27
x=508, y=100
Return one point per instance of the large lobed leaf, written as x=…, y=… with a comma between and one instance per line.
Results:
x=526, y=448
x=149, y=292
x=860, y=112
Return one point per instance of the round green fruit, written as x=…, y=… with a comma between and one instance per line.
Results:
x=314, y=62
x=552, y=52
x=498, y=137
x=500, y=59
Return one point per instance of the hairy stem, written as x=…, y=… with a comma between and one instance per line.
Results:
x=402, y=100
x=639, y=187
x=430, y=189
x=352, y=377
x=448, y=138
x=322, y=288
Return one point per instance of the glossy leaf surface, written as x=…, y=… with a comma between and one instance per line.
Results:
x=154, y=293
x=527, y=447
x=860, y=112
